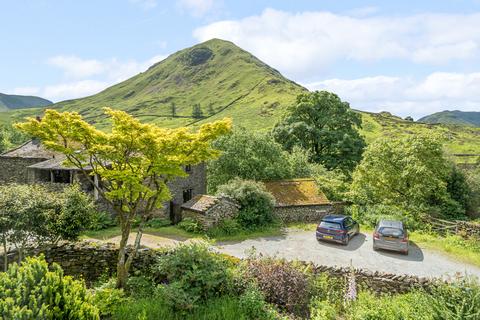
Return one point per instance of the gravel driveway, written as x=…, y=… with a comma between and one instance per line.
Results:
x=302, y=245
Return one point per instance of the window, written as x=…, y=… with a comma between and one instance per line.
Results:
x=330, y=225
x=60, y=176
x=187, y=194
x=188, y=168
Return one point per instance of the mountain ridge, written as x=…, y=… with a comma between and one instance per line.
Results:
x=228, y=81
x=14, y=101
x=455, y=117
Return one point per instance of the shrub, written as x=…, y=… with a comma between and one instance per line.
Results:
x=323, y=287
x=226, y=227
x=322, y=310
x=32, y=290
x=256, y=204
x=190, y=273
x=459, y=300
x=108, y=300
x=140, y=286
x=372, y=214
x=190, y=225
x=102, y=220
x=410, y=306
x=253, y=305
x=281, y=282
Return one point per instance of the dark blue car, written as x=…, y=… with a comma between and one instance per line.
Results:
x=338, y=228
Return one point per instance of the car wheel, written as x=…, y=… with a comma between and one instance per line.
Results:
x=345, y=242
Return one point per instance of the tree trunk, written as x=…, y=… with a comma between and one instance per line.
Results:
x=136, y=246
x=122, y=271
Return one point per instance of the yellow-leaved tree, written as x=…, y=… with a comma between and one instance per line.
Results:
x=133, y=160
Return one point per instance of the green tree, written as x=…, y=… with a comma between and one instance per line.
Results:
x=35, y=290
x=36, y=213
x=256, y=203
x=408, y=172
x=254, y=156
x=325, y=126
x=10, y=137
x=197, y=112
x=210, y=110
x=135, y=161
x=173, y=109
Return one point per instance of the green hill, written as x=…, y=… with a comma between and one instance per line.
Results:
x=229, y=82
x=225, y=80
x=11, y=102
x=471, y=118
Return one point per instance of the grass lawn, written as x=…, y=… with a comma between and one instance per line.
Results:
x=467, y=251
x=180, y=234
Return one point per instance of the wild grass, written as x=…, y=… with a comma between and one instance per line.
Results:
x=224, y=308
x=465, y=250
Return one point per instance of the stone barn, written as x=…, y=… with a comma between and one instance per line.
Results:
x=299, y=200
x=32, y=163
x=210, y=210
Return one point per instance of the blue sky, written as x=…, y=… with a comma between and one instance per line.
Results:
x=407, y=57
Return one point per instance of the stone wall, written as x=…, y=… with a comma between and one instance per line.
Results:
x=379, y=282
x=223, y=209
x=306, y=213
x=88, y=260
x=468, y=229
x=196, y=180
x=14, y=170
x=91, y=260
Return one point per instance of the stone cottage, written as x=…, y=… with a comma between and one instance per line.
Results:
x=32, y=163
x=299, y=200
x=210, y=210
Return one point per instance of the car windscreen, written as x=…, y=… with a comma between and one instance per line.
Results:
x=391, y=232
x=330, y=225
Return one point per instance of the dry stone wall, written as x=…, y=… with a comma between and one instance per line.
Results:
x=90, y=260
x=468, y=229
x=379, y=282
x=312, y=213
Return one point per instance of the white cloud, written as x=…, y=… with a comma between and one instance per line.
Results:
x=84, y=77
x=196, y=8
x=406, y=96
x=72, y=90
x=76, y=67
x=304, y=44
x=26, y=91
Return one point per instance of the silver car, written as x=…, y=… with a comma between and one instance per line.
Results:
x=390, y=235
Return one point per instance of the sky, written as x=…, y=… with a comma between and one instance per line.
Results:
x=411, y=58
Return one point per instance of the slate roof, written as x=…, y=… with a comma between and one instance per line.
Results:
x=202, y=203
x=296, y=192
x=30, y=149
x=54, y=164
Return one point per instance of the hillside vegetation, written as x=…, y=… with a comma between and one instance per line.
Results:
x=227, y=81
x=10, y=102
x=471, y=118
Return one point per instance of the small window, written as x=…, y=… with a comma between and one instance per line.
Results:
x=330, y=225
x=187, y=195
x=60, y=176
x=391, y=232
x=188, y=168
